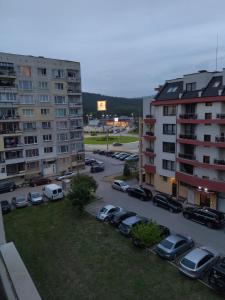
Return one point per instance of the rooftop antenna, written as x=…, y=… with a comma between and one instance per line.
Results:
x=216, y=50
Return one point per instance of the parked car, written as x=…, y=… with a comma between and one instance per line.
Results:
x=198, y=261
x=205, y=215
x=5, y=206
x=133, y=157
x=128, y=224
x=88, y=161
x=67, y=175
x=92, y=162
x=53, y=192
x=117, y=218
x=109, y=153
x=216, y=276
x=140, y=193
x=120, y=185
x=117, y=144
x=115, y=153
x=7, y=186
x=19, y=201
x=167, y=203
x=35, y=198
x=35, y=181
x=102, y=152
x=122, y=157
x=106, y=210
x=173, y=246
x=97, y=169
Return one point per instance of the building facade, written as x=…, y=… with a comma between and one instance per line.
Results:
x=41, y=116
x=184, y=139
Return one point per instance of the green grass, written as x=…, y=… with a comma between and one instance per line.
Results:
x=102, y=140
x=70, y=257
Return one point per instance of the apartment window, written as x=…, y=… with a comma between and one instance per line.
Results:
x=25, y=71
x=77, y=147
x=47, y=137
x=32, y=165
x=207, y=137
x=46, y=125
x=43, y=85
x=191, y=86
x=164, y=178
x=75, y=124
x=61, y=112
x=169, y=110
x=61, y=124
x=29, y=126
x=168, y=147
x=42, y=71
x=30, y=140
x=28, y=112
x=27, y=99
x=168, y=165
x=62, y=137
x=206, y=159
x=169, y=129
x=59, y=86
x=208, y=104
x=172, y=89
x=74, y=111
x=7, y=97
x=45, y=111
x=63, y=149
x=72, y=73
x=48, y=149
x=58, y=73
x=60, y=100
x=75, y=135
x=208, y=116
x=25, y=85
x=32, y=152
x=43, y=98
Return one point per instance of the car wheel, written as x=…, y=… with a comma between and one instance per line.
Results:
x=209, y=225
x=106, y=220
x=186, y=216
x=155, y=203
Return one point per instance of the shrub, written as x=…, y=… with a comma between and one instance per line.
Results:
x=126, y=170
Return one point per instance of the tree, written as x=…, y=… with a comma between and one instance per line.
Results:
x=82, y=191
x=126, y=170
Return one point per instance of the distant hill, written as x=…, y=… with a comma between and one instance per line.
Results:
x=115, y=105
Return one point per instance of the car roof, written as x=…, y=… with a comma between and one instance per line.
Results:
x=132, y=220
x=174, y=238
x=109, y=206
x=119, y=181
x=53, y=186
x=34, y=192
x=196, y=255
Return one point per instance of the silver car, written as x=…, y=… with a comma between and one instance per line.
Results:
x=120, y=185
x=106, y=210
x=198, y=261
x=67, y=175
x=19, y=201
x=35, y=197
x=173, y=246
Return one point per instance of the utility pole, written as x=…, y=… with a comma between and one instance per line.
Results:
x=140, y=151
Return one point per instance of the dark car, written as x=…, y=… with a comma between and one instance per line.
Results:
x=96, y=151
x=6, y=207
x=140, y=193
x=109, y=153
x=205, y=215
x=128, y=224
x=124, y=156
x=7, y=186
x=167, y=203
x=217, y=276
x=117, y=144
x=117, y=218
x=35, y=181
x=102, y=152
x=97, y=169
x=90, y=161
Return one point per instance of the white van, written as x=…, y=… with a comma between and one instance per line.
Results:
x=53, y=192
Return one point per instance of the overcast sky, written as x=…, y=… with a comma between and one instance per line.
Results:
x=126, y=47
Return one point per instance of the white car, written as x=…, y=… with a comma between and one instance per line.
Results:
x=106, y=211
x=66, y=176
x=120, y=185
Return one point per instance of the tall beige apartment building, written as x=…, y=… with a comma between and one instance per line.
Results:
x=41, y=116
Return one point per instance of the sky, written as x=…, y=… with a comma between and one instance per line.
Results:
x=125, y=47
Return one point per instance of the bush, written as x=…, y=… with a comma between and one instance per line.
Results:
x=126, y=170
x=146, y=235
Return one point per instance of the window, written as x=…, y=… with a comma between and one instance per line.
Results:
x=206, y=159
x=45, y=111
x=77, y=147
x=57, y=73
x=30, y=140
x=29, y=126
x=32, y=165
x=169, y=110
x=27, y=99
x=168, y=147
x=28, y=112
x=7, y=97
x=59, y=86
x=172, y=89
x=72, y=73
x=25, y=71
x=207, y=137
x=47, y=137
x=208, y=116
x=191, y=86
x=168, y=165
x=32, y=152
x=25, y=85
x=61, y=124
x=208, y=104
x=63, y=149
x=75, y=135
x=75, y=124
x=216, y=84
x=43, y=85
x=60, y=100
x=46, y=125
x=169, y=129
x=61, y=112
x=62, y=137
x=48, y=149
x=164, y=178
x=42, y=71
x=74, y=111
x=43, y=98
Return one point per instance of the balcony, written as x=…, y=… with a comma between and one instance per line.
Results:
x=220, y=116
x=219, y=139
x=149, y=152
x=7, y=72
x=76, y=104
x=188, y=136
x=16, y=169
x=149, y=120
x=73, y=91
x=219, y=162
x=150, y=169
x=187, y=156
x=11, y=131
x=189, y=116
x=149, y=136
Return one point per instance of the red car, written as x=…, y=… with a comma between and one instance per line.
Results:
x=35, y=181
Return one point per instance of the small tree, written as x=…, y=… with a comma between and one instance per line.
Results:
x=126, y=170
x=82, y=191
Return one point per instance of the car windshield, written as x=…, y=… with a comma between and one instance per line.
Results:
x=103, y=210
x=167, y=244
x=20, y=199
x=123, y=183
x=35, y=195
x=188, y=263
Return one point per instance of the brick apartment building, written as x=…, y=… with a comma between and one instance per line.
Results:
x=184, y=139
x=41, y=116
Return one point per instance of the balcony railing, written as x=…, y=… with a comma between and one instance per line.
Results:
x=189, y=172
x=220, y=139
x=188, y=116
x=188, y=136
x=4, y=73
x=74, y=91
x=7, y=131
x=9, y=117
x=219, y=161
x=187, y=156
x=149, y=150
x=149, y=133
x=220, y=116
x=149, y=116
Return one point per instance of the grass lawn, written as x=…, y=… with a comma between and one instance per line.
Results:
x=70, y=257
x=102, y=140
